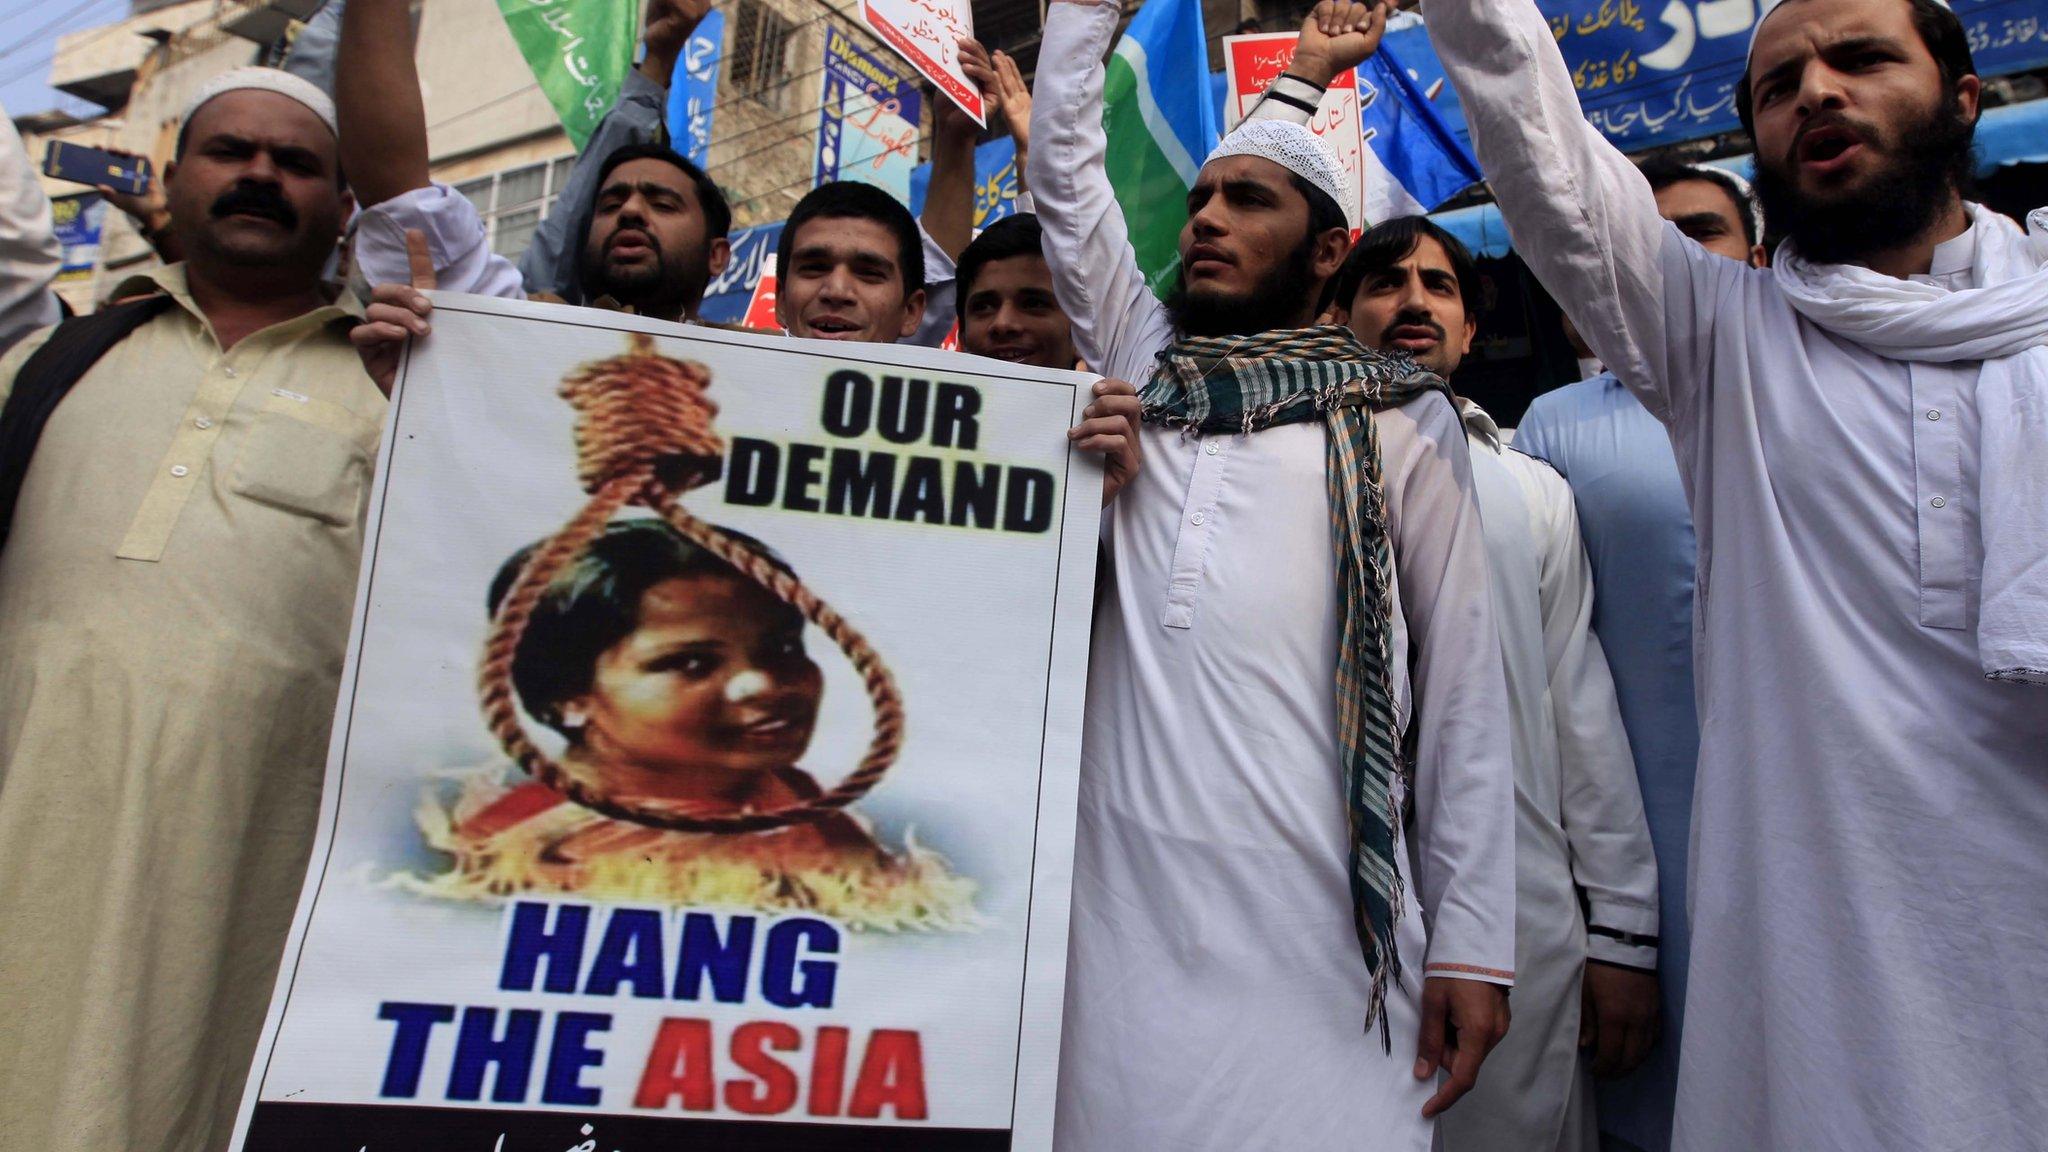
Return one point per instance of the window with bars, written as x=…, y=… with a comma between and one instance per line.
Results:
x=514, y=202
x=757, y=56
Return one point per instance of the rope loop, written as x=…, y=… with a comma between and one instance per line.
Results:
x=644, y=437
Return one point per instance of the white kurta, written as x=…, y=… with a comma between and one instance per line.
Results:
x=1216, y=995
x=1869, y=875
x=1578, y=810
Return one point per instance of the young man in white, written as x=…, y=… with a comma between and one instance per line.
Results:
x=1409, y=286
x=1257, y=961
x=1861, y=430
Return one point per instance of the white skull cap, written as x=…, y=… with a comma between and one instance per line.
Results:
x=1293, y=147
x=1764, y=9
x=276, y=80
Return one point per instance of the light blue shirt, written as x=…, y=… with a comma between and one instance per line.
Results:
x=1638, y=531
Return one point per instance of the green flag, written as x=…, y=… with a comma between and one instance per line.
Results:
x=579, y=50
x=1161, y=120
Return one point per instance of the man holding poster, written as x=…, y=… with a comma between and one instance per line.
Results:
x=705, y=772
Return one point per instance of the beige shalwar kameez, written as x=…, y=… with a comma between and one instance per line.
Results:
x=174, y=602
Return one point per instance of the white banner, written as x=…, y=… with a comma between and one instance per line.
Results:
x=642, y=834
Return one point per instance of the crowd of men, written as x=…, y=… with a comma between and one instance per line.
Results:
x=1670, y=774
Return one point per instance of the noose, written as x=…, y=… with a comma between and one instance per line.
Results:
x=644, y=436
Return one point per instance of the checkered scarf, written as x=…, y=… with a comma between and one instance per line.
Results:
x=1244, y=384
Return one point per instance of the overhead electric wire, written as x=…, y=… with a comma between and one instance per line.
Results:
x=31, y=39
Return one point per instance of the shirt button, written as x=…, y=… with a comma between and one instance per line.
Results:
x=179, y=470
x=202, y=423
x=229, y=371
x=1934, y=414
x=1211, y=448
x=1197, y=518
x=1938, y=502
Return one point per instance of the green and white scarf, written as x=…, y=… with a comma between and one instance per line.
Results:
x=1242, y=385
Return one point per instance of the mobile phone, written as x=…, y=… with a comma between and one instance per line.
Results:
x=82, y=165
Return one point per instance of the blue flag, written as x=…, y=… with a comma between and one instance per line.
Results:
x=693, y=91
x=1162, y=123
x=1404, y=126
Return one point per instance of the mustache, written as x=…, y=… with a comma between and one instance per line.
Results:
x=264, y=200
x=1412, y=320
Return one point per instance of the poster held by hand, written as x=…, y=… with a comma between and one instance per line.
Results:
x=705, y=770
x=928, y=33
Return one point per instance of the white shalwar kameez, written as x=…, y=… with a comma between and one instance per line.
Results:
x=1216, y=995
x=1578, y=810
x=1870, y=872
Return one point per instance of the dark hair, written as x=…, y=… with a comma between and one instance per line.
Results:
x=717, y=213
x=1664, y=171
x=1939, y=30
x=1018, y=235
x=1391, y=241
x=594, y=602
x=848, y=200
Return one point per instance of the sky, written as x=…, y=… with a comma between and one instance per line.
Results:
x=29, y=30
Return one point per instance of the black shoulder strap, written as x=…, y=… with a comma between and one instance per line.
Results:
x=46, y=378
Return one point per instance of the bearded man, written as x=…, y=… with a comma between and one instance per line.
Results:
x=1296, y=587
x=1862, y=430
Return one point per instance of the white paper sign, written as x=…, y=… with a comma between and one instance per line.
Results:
x=1252, y=63
x=927, y=33
x=481, y=963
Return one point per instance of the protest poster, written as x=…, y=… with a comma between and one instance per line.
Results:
x=867, y=119
x=927, y=33
x=807, y=645
x=77, y=221
x=1251, y=63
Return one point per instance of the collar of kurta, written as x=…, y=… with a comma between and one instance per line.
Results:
x=170, y=279
x=1478, y=422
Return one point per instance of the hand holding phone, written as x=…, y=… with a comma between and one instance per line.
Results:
x=97, y=167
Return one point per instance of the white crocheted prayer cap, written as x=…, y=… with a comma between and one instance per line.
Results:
x=1293, y=147
x=1763, y=12
x=267, y=80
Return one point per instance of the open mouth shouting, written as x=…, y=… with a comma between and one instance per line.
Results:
x=629, y=244
x=1825, y=148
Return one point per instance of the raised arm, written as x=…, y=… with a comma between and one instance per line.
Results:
x=1464, y=797
x=377, y=98
x=949, y=198
x=384, y=152
x=638, y=117
x=1579, y=213
x=29, y=252
x=1118, y=322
